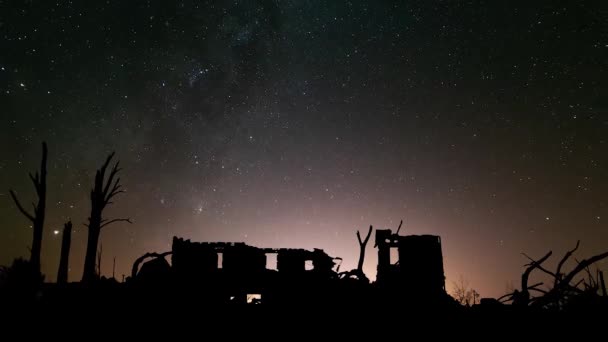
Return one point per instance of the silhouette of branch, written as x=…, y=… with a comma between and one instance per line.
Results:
x=102, y=171
x=20, y=207
x=581, y=266
x=143, y=257
x=512, y=294
x=539, y=290
x=110, y=182
x=507, y=297
x=558, y=274
x=116, y=220
x=36, y=180
x=115, y=191
x=398, y=229
x=575, y=287
x=591, y=279
x=531, y=267
x=540, y=267
x=364, y=242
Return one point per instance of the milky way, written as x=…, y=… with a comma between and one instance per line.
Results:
x=295, y=123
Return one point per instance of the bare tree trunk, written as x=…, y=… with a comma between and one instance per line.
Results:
x=99, y=253
x=89, y=259
x=66, y=241
x=37, y=219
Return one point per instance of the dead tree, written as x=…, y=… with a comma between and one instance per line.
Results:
x=37, y=219
x=362, y=245
x=358, y=273
x=66, y=241
x=582, y=265
x=564, y=287
x=101, y=195
x=463, y=293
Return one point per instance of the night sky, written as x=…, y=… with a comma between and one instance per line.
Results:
x=295, y=123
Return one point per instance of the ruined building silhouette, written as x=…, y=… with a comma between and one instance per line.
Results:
x=412, y=263
x=224, y=273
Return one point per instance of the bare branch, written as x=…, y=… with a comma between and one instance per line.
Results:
x=364, y=242
x=110, y=180
x=116, y=189
x=506, y=297
x=116, y=220
x=398, y=229
x=531, y=267
x=532, y=261
x=561, y=263
x=535, y=285
x=581, y=266
x=112, y=195
x=591, y=280
x=36, y=180
x=20, y=207
x=105, y=165
x=538, y=290
x=369, y=233
x=135, y=268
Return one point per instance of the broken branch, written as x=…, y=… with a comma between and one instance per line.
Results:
x=20, y=207
x=116, y=220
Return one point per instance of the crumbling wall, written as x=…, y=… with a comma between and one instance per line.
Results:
x=241, y=258
x=291, y=261
x=421, y=263
x=193, y=257
x=420, y=266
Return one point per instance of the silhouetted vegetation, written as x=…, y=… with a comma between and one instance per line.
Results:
x=564, y=292
x=358, y=272
x=101, y=195
x=37, y=218
x=410, y=271
x=463, y=293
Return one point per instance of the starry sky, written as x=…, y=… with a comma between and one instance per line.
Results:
x=285, y=123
